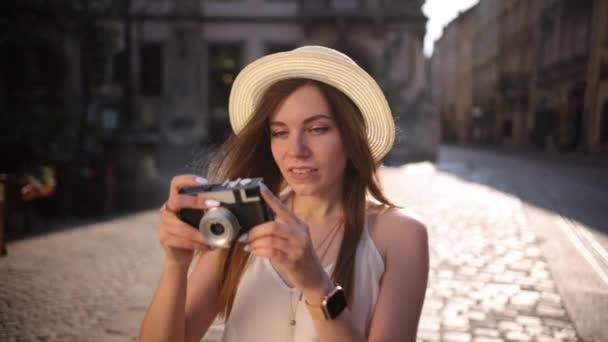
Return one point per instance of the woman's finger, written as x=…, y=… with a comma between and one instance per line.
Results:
x=177, y=227
x=179, y=202
x=174, y=241
x=280, y=209
x=275, y=242
x=272, y=253
x=183, y=181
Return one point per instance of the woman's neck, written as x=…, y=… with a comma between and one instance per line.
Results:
x=317, y=207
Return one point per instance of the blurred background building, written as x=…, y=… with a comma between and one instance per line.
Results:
x=90, y=89
x=188, y=53
x=172, y=70
x=536, y=70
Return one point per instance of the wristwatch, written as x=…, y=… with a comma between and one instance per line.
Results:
x=332, y=306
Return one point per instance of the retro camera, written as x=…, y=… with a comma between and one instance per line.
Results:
x=241, y=208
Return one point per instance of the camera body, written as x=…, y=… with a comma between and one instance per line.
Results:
x=241, y=208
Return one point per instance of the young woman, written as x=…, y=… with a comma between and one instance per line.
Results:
x=339, y=262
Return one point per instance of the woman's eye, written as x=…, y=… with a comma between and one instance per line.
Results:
x=318, y=130
x=278, y=134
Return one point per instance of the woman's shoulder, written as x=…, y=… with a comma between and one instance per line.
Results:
x=395, y=228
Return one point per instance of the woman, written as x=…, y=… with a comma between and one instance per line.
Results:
x=334, y=265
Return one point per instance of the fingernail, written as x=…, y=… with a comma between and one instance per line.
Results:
x=243, y=237
x=210, y=203
x=263, y=187
x=247, y=248
x=201, y=180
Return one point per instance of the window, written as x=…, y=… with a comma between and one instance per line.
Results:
x=151, y=69
x=224, y=65
x=507, y=129
x=119, y=67
x=604, y=123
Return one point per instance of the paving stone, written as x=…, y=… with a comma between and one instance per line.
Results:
x=551, y=299
x=546, y=310
x=456, y=337
x=486, y=332
x=456, y=323
x=476, y=315
x=429, y=327
x=517, y=336
x=425, y=335
x=525, y=299
x=509, y=326
x=487, y=339
x=535, y=330
x=529, y=320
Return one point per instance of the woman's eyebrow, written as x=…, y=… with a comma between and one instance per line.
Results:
x=277, y=123
x=317, y=117
x=307, y=120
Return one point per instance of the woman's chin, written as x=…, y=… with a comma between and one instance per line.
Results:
x=312, y=189
x=305, y=189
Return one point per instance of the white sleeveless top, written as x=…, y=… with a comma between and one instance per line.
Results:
x=262, y=310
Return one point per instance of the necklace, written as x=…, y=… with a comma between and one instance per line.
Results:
x=333, y=232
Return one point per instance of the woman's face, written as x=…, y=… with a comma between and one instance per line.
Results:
x=306, y=143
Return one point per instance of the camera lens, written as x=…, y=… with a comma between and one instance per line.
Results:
x=217, y=228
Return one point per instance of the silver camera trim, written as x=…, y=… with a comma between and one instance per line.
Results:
x=224, y=217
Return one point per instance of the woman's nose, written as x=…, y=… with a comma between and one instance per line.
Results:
x=299, y=147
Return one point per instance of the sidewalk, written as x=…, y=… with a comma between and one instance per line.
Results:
x=571, y=157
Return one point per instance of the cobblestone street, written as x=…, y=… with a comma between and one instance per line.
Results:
x=490, y=280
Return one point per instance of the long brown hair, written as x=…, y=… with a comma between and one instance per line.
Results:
x=249, y=155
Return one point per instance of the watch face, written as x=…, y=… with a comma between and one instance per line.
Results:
x=335, y=303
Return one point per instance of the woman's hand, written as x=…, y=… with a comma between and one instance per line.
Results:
x=179, y=239
x=286, y=241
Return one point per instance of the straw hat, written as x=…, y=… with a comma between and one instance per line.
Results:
x=324, y=65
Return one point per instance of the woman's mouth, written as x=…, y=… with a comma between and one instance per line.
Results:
x=302, y=173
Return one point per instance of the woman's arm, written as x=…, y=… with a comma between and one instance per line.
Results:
x=402, y=291
x=342, y=328
x=165, y=317
x=403, y=287
x=202, y=296
x=183, y=307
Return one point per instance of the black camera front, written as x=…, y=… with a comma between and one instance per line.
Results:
x=241, y=208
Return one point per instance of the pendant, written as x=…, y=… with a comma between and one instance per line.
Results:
x=292, y=322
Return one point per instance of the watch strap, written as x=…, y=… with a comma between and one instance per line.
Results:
x=316, y=311
x=331, y=307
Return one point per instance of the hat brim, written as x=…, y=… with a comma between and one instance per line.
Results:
x=354, y=82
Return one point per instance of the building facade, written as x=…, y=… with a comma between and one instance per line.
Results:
x=517, y=23
x=452, y=77
x=595, y=120
x=485, y=70
x=186, y=54
x=539, y=70
x=561, y=75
